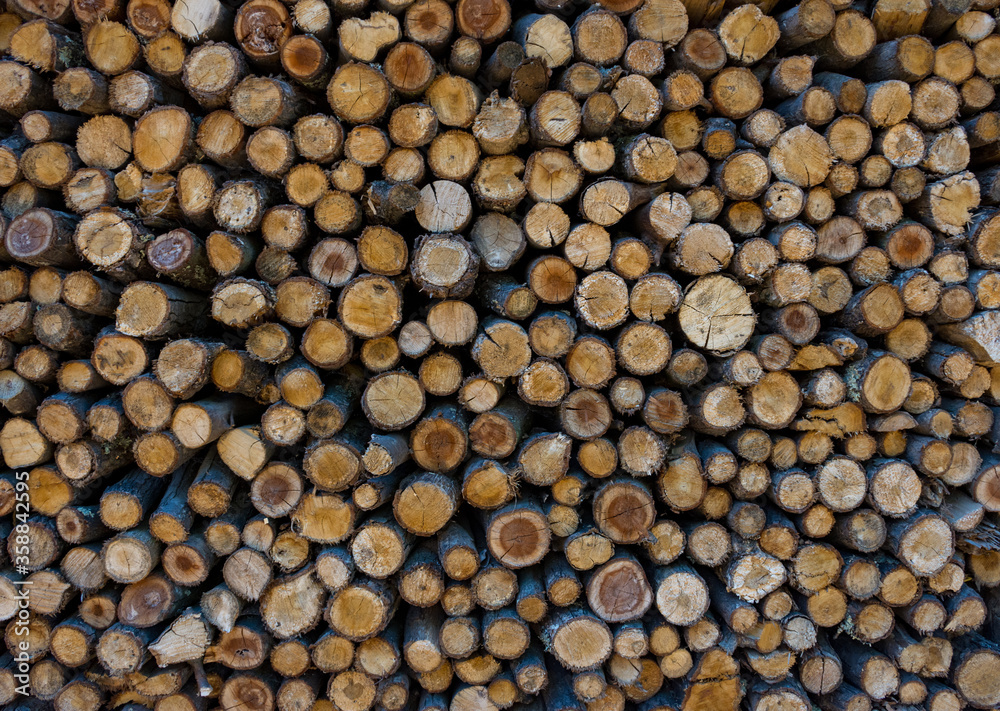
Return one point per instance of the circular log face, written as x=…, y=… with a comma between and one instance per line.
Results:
x=582, y=643
x=926, y=545
x=619, y=591
x=370, y=308
x=624, y=512
x=885, y=385
x=393, y=400
x=977, y=679
x=161, y=138
x=29, y=234
x=519, y=537
x=716, y=314
x=425, y=506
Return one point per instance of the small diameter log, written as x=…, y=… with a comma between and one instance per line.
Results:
x=181, y=256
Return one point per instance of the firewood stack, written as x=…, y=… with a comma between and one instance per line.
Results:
x=440, y=356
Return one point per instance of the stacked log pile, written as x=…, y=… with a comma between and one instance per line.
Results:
x=426, y=355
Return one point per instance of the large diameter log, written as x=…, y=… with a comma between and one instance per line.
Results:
x=716, y=314
x=911, y=540
x=41, y=237
x=618, y=590
x=578, y=640
x=518, y=535
x=976, y=655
